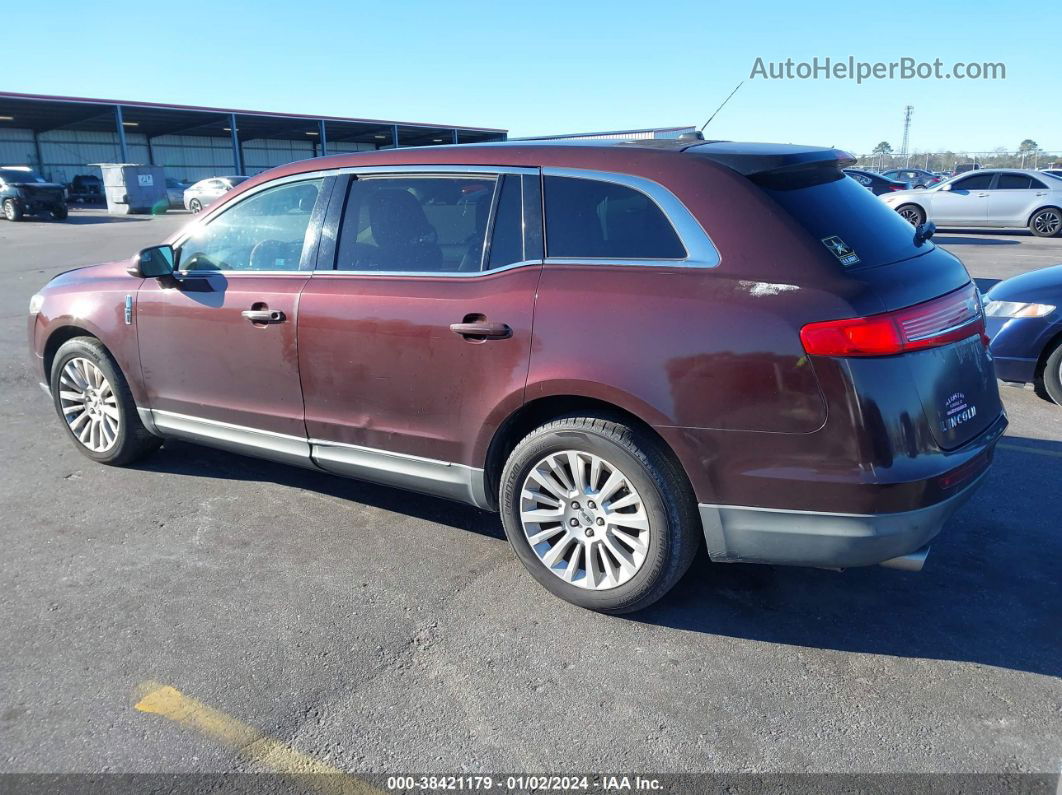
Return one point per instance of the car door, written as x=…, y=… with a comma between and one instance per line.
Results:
x=218, y=340
x=415, y=331
x=1013, y=199
x=964, y=204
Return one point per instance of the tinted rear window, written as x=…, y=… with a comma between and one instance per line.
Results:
x=841, y=209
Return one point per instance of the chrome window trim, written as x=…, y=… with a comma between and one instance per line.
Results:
x=700, y=250
x=322, y=274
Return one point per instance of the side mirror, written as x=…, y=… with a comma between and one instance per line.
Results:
x=155, y=262
x=924, y=232
x=946, y=186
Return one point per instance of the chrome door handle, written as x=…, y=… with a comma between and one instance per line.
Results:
x=981, y=195
x=263, y=315
x=482, y=330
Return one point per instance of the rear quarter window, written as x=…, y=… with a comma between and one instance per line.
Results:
x=592, y=219
x=841, y=209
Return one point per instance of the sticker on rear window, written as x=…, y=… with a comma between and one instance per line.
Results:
x=841, y=250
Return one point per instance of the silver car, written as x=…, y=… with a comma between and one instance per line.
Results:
x=202, y=193
x=994, y=197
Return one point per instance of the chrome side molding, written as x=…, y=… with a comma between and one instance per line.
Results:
x=427, y=476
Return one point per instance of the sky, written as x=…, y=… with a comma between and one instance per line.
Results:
x=546, y=67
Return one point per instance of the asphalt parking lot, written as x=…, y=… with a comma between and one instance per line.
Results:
x=374, y=630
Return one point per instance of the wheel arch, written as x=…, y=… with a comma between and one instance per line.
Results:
x=543, y=409
x=1045, y=354
x=58, y=336
x=1040, y=209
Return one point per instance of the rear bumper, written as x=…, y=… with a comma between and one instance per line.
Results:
x=736, y=534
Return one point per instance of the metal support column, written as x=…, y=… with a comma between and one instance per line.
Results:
x=40, y=159
x=237, y=159
x=324, y=138
x=119, y=123
x=394, y=135
x=455, y=135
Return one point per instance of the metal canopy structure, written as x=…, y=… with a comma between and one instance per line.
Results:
x=42, y=113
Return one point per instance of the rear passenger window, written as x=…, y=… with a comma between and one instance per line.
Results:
x=420, y=224
x=1014, y=182
x=591, y=219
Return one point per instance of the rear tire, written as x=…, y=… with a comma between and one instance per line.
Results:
x=195, y=206
x=12, y=211
x=60, y=213
x=1049, y=385
x=912, y=213
x=599, y=546
x=1046, y=222
x=93, y=400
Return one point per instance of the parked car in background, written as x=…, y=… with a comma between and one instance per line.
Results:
x=205, y=192
x=582, y=338
x=962, y=168
x=24, y=192
x=913, y=177
x=175, y=191
x=991, y=198
x=875, y=183
x=1024, y=322
x=85, y=188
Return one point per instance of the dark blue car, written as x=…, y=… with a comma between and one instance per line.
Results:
x=1024, y=319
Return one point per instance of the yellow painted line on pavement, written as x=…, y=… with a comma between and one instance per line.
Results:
x=1022, y=448
x=247, y=741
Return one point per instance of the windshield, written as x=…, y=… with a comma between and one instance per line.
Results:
x=18, y=175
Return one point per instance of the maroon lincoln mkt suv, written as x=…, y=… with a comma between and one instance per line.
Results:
x=625, y=349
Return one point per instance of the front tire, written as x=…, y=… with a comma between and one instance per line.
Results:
x=1046, y=222
x=598, y=513
x=912, y=213
x=12, y=212
x=93, y=400
x=60, y=213
x=1049, y=385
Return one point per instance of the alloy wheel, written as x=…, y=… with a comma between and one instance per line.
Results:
x=89, y=405
x=911, y=216
x=1048, y=222
x=9, y=210
x=584, y=520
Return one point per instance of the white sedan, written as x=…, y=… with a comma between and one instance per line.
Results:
x=998, y=198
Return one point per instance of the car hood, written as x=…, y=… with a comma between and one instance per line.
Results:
x=1044, y=285
x=117, y=269
x=36, y=185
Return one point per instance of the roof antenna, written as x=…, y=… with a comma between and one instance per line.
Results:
x=739, y=85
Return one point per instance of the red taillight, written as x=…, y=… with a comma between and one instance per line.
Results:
x=943, y=320
x=897, y=187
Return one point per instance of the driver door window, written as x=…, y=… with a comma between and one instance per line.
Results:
x=267, y=231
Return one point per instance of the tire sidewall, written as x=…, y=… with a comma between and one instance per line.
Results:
x=81, y=348
x=1052, y=378
x=661, y=520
